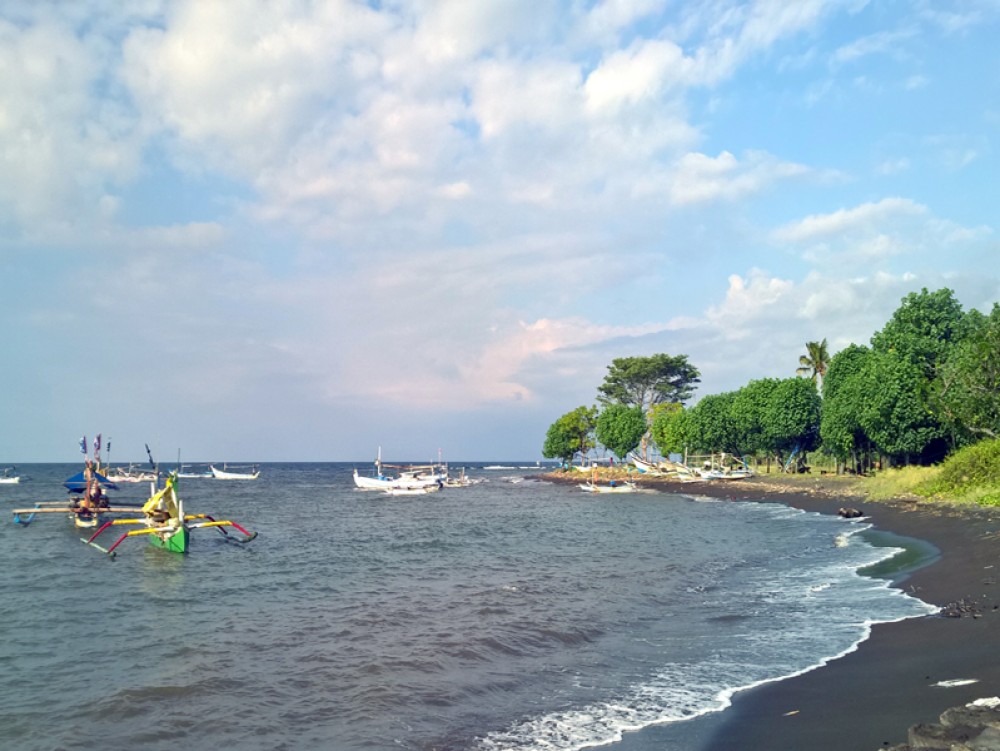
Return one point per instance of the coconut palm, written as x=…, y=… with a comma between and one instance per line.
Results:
x=814, y=362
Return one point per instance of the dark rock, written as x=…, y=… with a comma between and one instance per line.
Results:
x=968, y=728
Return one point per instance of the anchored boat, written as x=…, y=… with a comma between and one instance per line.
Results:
x=224, y=474
x=165, y=525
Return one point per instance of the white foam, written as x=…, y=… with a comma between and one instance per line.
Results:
x=821, y=604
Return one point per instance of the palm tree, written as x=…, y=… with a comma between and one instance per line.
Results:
x=814, y=361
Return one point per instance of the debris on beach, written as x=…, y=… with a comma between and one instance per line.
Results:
x=955, y=682
x=973, y=726
x=961, y=608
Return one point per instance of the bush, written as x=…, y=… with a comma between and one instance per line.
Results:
x=972, y=474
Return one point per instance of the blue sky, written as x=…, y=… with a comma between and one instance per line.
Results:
x=257, y=231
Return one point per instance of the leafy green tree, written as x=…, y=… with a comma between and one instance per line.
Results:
x=967, y=390
x=748, y=415
x=571, y=434
x=712, y=427
x=670, y=428
x=620, y=428
x=922, y=330
x=792, y=417
x=895, y=413
x=814, y=362
x=843, y=394
x=646, y=381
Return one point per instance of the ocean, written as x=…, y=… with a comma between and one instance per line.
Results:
x=511, y=614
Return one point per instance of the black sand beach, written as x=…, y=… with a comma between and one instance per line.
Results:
x=868, y=699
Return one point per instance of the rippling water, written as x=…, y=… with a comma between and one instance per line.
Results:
x=512, y=614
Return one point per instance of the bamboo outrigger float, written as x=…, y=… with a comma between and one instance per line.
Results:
x=165, y=524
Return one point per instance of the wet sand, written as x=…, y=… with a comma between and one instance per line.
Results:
x=868, y=699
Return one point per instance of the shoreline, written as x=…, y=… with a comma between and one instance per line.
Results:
x=869, y=698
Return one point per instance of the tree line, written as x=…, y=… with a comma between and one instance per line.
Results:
x=927, y=384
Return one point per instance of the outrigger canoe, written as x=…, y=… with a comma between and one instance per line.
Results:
x=165, y=525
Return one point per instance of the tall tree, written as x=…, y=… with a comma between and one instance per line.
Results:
x=791, y=420
x=621, y=428
x=646, y=381
x=748, y=412
x=967, y=390
x=843, y=395
x=670, y=428
x=571, y=434
x=922, y=330
x=814, y=362
x=895, y=412
x=712, y=427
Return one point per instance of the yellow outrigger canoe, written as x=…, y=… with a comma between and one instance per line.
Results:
x=164, y=523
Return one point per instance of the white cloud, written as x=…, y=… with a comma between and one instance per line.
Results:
x=628, y=77
x=61, y=150
x=698, y=177
x=866, y=217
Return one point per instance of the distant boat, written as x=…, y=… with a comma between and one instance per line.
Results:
x=422, y=490
x=190, y=473
x=225, y=474
x=8, y=479
x=410, y=477
x=129, y=474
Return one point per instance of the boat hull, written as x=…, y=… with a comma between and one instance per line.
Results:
x=624, y=488
x=176, y=541
x=220, y=474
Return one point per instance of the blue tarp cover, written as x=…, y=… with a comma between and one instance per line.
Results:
x=77, y=483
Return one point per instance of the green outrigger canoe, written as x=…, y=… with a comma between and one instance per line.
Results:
x=165, y=525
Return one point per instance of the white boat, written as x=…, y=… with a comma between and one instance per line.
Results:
x=225, y=474
x=8, y=479
x=613, y=487
x=130, y=474
x=409, y=477
x=189, y=473
x=410, y=480
x=413, y=491
x=724, y=473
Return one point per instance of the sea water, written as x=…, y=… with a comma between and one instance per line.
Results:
x=511, y=614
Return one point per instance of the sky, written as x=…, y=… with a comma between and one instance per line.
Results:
x=284, y=230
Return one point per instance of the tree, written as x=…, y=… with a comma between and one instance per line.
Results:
x=646, y=381
x=571, y=434
x=792, y=417
x=895, y=413
x=814, y=362
x=621, y=428
x=967, y=390
x=748, y=414
x=712, y=426
x=670, y=428
x=923, y=329
x=843, y=394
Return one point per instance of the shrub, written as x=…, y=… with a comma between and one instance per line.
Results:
x=971, y=473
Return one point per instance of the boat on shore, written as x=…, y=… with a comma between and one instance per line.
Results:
x=627, y=486
x=252, y=472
